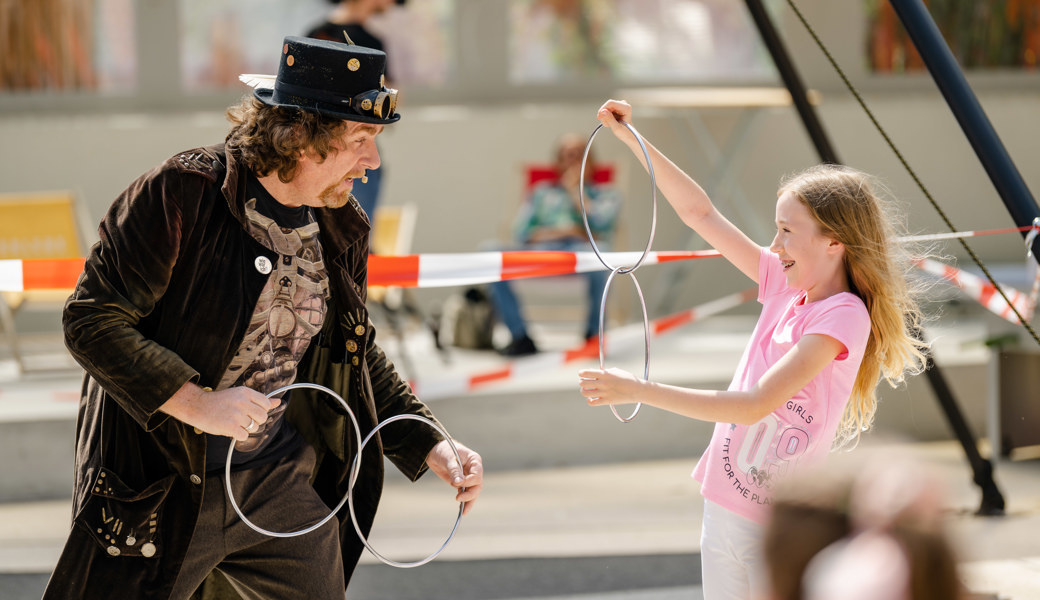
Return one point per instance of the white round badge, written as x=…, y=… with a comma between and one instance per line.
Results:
x=263, y=264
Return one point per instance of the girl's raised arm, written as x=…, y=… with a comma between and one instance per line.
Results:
x=688, y=199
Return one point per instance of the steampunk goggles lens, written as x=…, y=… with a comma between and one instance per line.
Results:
x=377, y=103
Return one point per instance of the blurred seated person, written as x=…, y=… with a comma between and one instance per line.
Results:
x=550, y=219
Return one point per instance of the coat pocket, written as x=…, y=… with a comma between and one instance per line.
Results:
x=321, y=420
x=124, y=521
x=319, y=417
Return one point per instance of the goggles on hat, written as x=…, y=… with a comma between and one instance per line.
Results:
x=376, y=103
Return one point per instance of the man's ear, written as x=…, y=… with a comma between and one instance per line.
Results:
x=307, y=155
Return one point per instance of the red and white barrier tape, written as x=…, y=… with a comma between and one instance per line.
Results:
x=619, y=339
x=431, y=270
x=39, y=274
x=985, y=293
x=412, y=270
x=963, y=234
x=445, y=270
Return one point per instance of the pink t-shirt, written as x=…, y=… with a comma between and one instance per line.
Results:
x=742, y=463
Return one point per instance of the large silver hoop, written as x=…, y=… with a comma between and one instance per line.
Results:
x=231, y=451
x=350, y=490
x=646, y=335
x=584, y=210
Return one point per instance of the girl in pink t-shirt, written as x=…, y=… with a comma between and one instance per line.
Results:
x=837, y=316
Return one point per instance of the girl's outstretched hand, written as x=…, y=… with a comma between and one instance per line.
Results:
x=613, y=113
x=611, y=386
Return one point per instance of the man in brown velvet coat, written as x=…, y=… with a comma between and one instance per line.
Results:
x=222, y=275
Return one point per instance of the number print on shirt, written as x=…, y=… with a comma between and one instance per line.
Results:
x=755, y=459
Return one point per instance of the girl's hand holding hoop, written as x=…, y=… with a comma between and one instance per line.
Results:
x=612, y=114
x=603, y=387
x=468, y=478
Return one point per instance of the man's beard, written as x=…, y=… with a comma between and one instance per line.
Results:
x=331, y=197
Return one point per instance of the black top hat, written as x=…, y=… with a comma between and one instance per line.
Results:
x=340, y=80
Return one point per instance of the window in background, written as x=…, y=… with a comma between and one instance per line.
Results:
x=666, y=41
x=67, y=45
x=419, y=37
x=221, y=39
x=983, y=34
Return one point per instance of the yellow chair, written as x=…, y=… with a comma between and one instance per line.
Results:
x=392, y=231
x=36, y=225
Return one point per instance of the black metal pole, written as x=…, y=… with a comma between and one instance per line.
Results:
x=992, y=503
x=982, y=469
x=793, y=82
x=942, y=65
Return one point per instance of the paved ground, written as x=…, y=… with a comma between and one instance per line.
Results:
x=622, y=531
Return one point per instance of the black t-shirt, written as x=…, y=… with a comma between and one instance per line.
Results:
x=286, y=216
x=279, y=438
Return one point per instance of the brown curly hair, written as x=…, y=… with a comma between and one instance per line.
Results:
x=270, y=139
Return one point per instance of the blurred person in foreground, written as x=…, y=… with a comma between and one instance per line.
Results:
x=875, y=532
x=223, y=274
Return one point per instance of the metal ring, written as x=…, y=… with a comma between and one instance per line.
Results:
x=646, y=335
x=584, y=212
x=252, y=425
x=350, y=491
x=231, y=451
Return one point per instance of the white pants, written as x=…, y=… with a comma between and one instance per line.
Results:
x=732, y=564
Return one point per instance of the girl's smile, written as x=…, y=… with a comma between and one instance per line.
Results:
x=811, y=260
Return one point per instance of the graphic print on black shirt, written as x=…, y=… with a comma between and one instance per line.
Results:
x=289, y=312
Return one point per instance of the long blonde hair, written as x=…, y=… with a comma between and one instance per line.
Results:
x=848, y=208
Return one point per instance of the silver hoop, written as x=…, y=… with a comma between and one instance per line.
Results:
x=584, y=211
x=231, y=451
x=350, y=491
x=646, y=335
